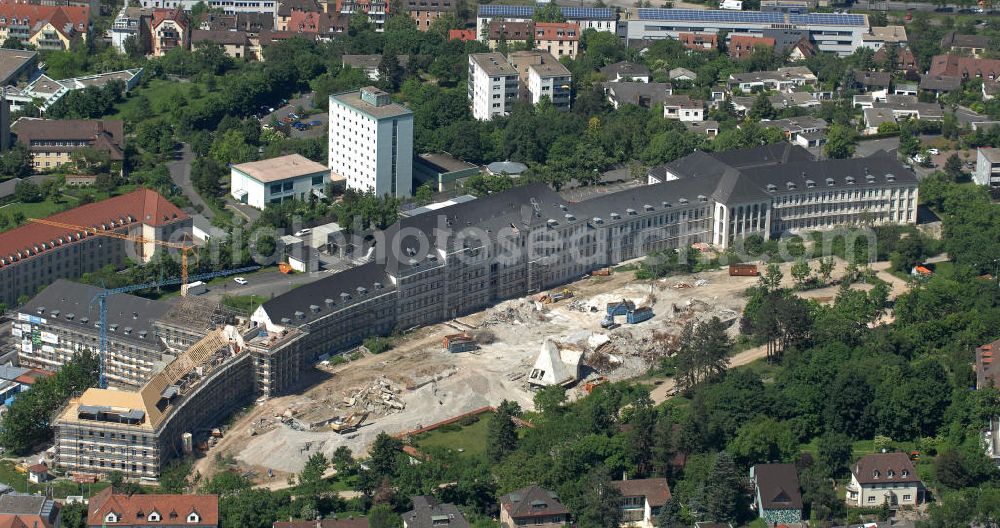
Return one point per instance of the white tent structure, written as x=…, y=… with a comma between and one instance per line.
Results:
x=555, y=365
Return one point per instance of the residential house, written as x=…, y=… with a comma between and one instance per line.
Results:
x=873, y=82
x=19, y=510
x=109, y=508
x=684, y=108
x=626, y=71
x=532, y=506
x=248, y=22
x=464, y=35
x=784, y=79
x=542, y=76
x=641, y=500
x=973, y=45
x=743, y=46
x=131, y=22
x=964, y=67
x=45, y=91
x=38, y=473
x=287, y=7
x=46, y=27
x=879, y=37
x=801, y=50
x=942, y=84
x=427, y=512
x=884, y=478
x=370, y=63
x=990, y=90
x=561, y=39
x=805, y=131
x=988, y=356
x=906, y=88
x=777, y=498
x=646, y=95
x=325, y=26
x=356, y=522
x=699, y=41
x=235, y=44
x=509, y=32
x=377, y=10
x=785, y=38
x=708, y=127
x=898, y=107
x=425, y=12
x=52, y=142
x=169, y=29
x=991, y=441
x=906, y=61
x=794, y=100
x=682, y=74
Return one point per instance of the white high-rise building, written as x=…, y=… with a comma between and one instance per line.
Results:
x=371, y=142
x=492, y=85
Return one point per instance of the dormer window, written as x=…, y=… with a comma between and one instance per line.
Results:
x=892, y=473
x=111, y=517
x=905, y=473
x=193, y=517
x=154, y=517
x=850, y=180
x=810, y=184
x=829, y=182
x=771, y=187
x=875, y=474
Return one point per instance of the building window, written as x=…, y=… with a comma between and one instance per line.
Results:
x=871, y=498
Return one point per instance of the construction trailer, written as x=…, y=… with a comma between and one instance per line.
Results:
x=743, y=270
x=459, y=342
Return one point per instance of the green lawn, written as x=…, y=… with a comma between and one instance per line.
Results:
x=60, y=488
x=158, y=92
x=36, y=210
x=471, y=439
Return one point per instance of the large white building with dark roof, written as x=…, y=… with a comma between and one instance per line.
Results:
x=371, y=142
x=469, y=256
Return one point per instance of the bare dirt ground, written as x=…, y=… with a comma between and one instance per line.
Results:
x=433, y=384
x=419, y=383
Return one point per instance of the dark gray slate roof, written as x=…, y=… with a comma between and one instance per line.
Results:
x=125, y=311
x=625, y=69
x=296, y=305
x=427, y=512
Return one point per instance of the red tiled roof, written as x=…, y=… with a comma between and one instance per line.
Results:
x=142, y=206
x=957, y=66
x=564, y=31
x=162, y=15
x=698, y=40
x=11, y=520
x=881, y=464
x=465, y=35
x=655, y=490
x=134, y=510
x=316, y=22
x=39, y=468
x=742, y=45
x=66, y=19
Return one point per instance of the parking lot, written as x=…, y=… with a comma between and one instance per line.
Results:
x=299, y=117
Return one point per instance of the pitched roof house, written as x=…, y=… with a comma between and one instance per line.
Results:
x=28, y=511
x=964, y=67
x=884, y=477
x=52, y=141
x=988, y=365
x=169, y=29
x=777, y=498
x=626, y=71
x=532, y=505
x=43, y=26
x=427, y=512
x=108, y=508
x=971, y=44
x=641, y=500
x=743, y=46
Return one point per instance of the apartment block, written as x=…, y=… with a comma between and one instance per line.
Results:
x=425, y=12
x=597, y=18
x=371, y=142
x=53, y=141
x=560, y=39
x=46, y=27
x=169, y=29
x=987, y=167
x=224, y=6
x=542, y=76
x=493, y=85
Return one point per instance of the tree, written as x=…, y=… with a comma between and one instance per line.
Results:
x=384, y=456
x=840, y=142
x=549, y=400
x=909, y=143
x=501, y=437
x=770, y=280
x=801, y=272
x=826, y=266
x=312, y=473
x=600, y=502
x=390, y=73
x=17, y=162
x=703, y=353
x=27, y=192
x=953, y=168
x=762, y=109
x=835, y=452
x=382, y=516
x=722, y=497
x=548, y=13
x=343, y=460
x=763, y=440
x=73, y=515
x=12, y=43
x=424, y=194
x=670, y=515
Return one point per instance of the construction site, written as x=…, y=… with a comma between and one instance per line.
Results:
x=505, y=352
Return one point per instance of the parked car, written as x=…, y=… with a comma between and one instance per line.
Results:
x=301, y=232
x=933, y=151
x=241, y=281
x=293, y=115
x=315, y=123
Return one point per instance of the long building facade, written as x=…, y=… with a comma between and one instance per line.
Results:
x=465, y=257
x=468, y=256
x=34, y=255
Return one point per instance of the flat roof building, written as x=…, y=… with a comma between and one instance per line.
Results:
x=987, y=168
x=493, y=85
x=274, y=180
x=371, y=142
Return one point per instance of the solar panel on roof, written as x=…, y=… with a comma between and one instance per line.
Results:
x=588, y=13
x=506, y=10
x=696, y=15
x=828, y=19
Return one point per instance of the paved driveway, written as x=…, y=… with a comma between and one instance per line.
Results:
x=180, y=173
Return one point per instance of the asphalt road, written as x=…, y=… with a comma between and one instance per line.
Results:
x=264, y=284
x=180, y=173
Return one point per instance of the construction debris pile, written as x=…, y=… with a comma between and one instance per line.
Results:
x=515, y=311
